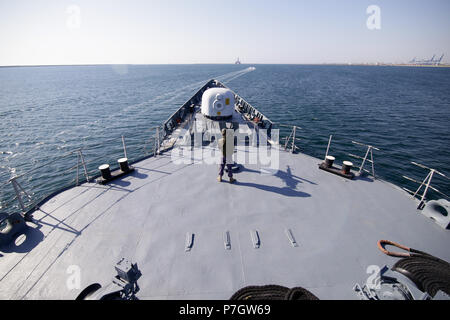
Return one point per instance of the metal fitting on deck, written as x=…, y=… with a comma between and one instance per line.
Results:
x=329, y=161
x=346, y=166
x=123, y=163
x=106, y=173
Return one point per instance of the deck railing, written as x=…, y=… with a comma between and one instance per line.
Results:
x=25, y=202
x=289, y=141
x=87, y=161
x=425, y=183
x=85, y=169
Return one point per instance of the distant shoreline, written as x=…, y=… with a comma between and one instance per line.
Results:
x=244, y=64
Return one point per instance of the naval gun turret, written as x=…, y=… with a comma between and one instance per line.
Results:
x=218, y=103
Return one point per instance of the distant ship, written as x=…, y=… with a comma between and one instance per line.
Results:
x=237, y=61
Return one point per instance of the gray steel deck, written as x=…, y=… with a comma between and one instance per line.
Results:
x=145, y=217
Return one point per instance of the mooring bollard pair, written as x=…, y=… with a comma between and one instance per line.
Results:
x=346, y=165
x=106, y=172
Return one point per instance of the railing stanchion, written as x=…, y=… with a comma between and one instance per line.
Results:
x=364, y=160
x=157, y=142
x=84, y=165
x=78, y=170
x=17, y=191
x=371, y=158
x=154, y=145
x=124, y=148
x=369, y=150
x=426, y=182
x=293, y=140
x=427, y=185
x=287, y=141
x=328, y=147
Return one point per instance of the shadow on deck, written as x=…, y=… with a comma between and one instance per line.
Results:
x=291, y=181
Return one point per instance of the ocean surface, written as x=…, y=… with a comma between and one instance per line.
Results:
x=48, y=112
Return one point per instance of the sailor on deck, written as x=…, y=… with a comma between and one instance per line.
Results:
x=226, y=145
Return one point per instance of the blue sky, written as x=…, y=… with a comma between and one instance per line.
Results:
x=174, y=31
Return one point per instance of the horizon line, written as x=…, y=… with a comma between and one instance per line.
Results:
x=242, y=64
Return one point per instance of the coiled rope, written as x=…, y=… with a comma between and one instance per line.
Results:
x=429, y=273
x=273, y=292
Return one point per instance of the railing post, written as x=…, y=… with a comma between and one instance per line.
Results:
x=78, y=171
x=84, y=165
x=328, y=147
x=426, y=182
x=369, y=150
x=364, y=160
x=155, y=143
x=157, y=139
x=124, y=148
x=371, y=158
x=17, y=191
x=427, y=186
x=287, y=141
x=293, y=140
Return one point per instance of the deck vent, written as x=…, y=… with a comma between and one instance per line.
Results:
x=218, y=103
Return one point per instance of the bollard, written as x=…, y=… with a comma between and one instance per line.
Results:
x=106, y=173
x=329, y=161
x=123, y=163
x=346, y=166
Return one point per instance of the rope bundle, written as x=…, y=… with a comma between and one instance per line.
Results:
x=429, y=273
x=273, y=292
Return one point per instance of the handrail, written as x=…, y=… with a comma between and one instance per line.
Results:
x=426, y=182
x=370, y=149
x=430, y=186
x=292, y=136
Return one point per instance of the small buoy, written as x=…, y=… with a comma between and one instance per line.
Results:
x=123, y=163
x=329, y=161
x=346, y=166
x=106, y=173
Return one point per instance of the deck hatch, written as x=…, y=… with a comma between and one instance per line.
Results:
x=291, y=238
x=255, y=239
